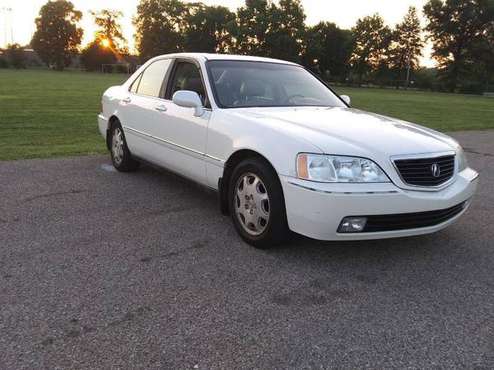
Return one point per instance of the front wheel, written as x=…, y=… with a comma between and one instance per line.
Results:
x=120, y=155
x=257, y=205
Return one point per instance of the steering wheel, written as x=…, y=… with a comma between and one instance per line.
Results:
x=294, y=96
x=252, y=99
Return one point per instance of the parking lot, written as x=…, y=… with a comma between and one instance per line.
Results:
x=100, y=269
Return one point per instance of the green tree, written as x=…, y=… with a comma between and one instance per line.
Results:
x=15, y=56
x=286, y=36
x=108, y=44
x=372, y=39
x=160, y=27
x=266, y=29
x=109, y=28
x=328, y=50
x=95, y=54
x=481, y=63
x=253, y=24
x=462, y=35
x=406, y=47
x=57, y=35
x=209, y=29
x=425, y=78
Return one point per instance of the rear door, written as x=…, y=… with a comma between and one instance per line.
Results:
x=142, y=109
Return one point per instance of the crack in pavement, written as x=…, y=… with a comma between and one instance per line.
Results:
x=471, y=151
x=47, y=195
x=76, y=330
x=195, y=245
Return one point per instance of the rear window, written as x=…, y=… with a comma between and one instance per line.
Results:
x=152, y=78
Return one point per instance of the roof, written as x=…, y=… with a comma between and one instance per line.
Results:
x=208, y=56
x=244, y=58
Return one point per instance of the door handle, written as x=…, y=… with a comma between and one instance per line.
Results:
x=127, y=100
x=161, y=108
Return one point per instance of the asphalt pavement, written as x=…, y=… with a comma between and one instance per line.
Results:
x=100, y=269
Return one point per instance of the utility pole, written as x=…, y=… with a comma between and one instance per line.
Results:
x=8, y=30
x=409, y=62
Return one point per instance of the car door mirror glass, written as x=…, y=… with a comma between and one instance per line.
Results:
x=346, y=99
x=189, y=99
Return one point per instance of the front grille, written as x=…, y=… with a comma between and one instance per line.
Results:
x=403, y=221
x=426, y=171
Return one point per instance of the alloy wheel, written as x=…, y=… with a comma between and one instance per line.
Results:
x=251, y=204
x=117, y=145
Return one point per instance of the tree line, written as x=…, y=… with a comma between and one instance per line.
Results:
x=461, y=32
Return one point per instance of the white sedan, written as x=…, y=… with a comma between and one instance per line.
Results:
x=284, y=151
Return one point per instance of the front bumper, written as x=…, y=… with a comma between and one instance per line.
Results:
x=316, y=209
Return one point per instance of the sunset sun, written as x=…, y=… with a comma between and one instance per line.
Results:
x=105, y=43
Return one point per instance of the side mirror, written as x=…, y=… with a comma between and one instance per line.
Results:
x=189, y=99
x=346, y=99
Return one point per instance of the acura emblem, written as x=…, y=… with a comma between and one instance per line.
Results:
x=436, y=170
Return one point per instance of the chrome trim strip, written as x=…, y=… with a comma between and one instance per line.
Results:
x=425, y=156
x=344, y=192
x=215, y=158
x=221, y=161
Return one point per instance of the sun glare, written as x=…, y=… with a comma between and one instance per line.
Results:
x=105, y=43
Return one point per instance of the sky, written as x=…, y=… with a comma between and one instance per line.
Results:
x=18, y=23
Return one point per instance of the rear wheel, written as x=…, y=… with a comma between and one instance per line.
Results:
x=257, y=205
x=120, y=155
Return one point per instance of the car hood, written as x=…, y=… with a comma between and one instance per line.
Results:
x=351, y=131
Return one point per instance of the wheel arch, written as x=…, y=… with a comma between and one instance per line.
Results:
x=111, y=121
x=234, y=159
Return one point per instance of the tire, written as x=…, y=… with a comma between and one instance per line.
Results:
x=120, y=155
x=257, y=205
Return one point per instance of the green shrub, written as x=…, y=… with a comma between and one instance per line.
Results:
x=4, y=63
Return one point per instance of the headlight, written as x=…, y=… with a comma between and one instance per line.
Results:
x=330, y=168
x=462, y=159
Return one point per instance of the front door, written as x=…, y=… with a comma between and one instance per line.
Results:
x=181, y=131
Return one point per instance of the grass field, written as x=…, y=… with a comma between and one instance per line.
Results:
x=440, y=111
x=49, y=114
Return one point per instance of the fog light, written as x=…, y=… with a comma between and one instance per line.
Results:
x=352, y=225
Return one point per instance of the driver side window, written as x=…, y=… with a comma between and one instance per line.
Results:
x=188, y=77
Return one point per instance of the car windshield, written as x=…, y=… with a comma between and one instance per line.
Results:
x=240, y=84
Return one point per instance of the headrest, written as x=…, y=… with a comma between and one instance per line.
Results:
x=194, y=84
x=253, y=88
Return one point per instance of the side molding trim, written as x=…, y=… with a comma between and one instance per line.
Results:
x=210, y=158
